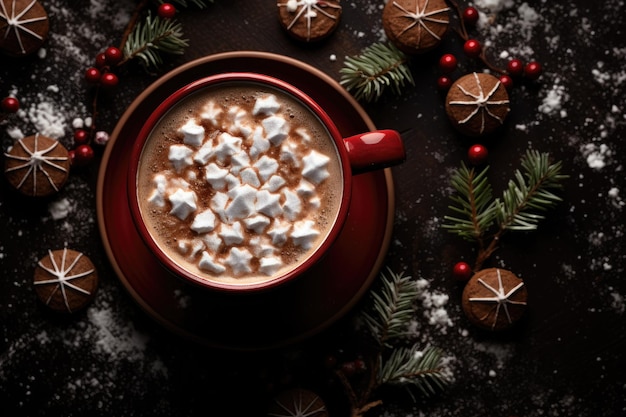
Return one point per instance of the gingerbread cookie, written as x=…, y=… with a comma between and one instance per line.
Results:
x=494, y=299
x=297, y=402
x=309, y=20
x=415, y=26
x=23, y=26
x=37, y=165
x=65, y=280
x=477, y=104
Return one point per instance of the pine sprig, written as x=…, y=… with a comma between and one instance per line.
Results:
x=379, y=67
x=393, y=307
x=474, y=205
x=421, y=369
x=153, y=37
x=521, y=208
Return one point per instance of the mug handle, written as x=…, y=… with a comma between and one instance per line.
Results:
x=374, y=150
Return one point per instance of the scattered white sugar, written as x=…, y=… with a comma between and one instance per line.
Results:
x=60, y=209
x=332, y=57
x=553, y=100
x=596, y=155
x=433, y=304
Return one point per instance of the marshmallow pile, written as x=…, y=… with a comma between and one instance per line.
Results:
x=261, y=178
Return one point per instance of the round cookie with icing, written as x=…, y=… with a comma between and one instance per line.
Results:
x=65, y=280
x=477, y=104
x=309, y=20
x=415, y=26
x=23, y=26
x=37, y=165
x=494, y=299
x=297, y=402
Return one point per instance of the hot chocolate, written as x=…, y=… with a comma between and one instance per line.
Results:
x=239, y=183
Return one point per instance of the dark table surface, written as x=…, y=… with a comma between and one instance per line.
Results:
x=566, y=358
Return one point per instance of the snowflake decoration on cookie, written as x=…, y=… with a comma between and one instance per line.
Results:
x=500, y=298
x=37, y=161
x=481, y=101
x=62, y=277
x=299, y=407
x=420, y=17
x=308, y=10
x=17, y=24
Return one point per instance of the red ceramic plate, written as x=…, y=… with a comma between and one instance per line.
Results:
x=258, y=320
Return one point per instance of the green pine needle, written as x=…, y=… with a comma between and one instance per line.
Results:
x=393, y=307
x=155, y=36
x=475, y=210
x=424, y=370
x=380, y=66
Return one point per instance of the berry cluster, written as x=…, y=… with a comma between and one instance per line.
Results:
x=473, y=49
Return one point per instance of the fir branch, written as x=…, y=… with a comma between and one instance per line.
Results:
x=530, y=193
x=150, y=39
x=380, y=66
x=393, y=307
x=474, y=206
x=422, y=369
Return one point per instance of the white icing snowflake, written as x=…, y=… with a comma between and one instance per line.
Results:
x=482, y=102
x=62, y=277
x=16, y=23
x=299, y=408
x=308, y=9
x=420, y=17
x=500, y=298
x=36, y=161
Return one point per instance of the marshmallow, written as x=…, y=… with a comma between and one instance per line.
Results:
x=260, y=144
x=266, y=166
x=239, y=126
x=218, y=205
x=208, y=263
x=278, y=232
x=269, y=265
x=292, y=205
x=274, y=183
x=239, y=161
x=268, y=203
x=204, y=222
x=205, y=153
x=183, y=203
x=239, y=261
x=262, y=246
x=212, y=242
x=193, y=134
x=249, y=176
x=232, y=181
x=304, y=134
x=211, y=112
x=196, y=246
x=315, y=203
x=257, y=223
x=227, y=146
x=180, y=157
x=266, y=105
x=305, y=188
x=231, y=234
x=158, y=194
x=183, y=246
x=242, y=203
x=215, y=176
x=304, y=234
x=315, y=165
x=276, y=129
x=289, y=153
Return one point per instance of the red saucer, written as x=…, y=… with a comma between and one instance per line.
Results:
x=259, y=320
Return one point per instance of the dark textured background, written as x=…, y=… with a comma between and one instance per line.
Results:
x=565, y=359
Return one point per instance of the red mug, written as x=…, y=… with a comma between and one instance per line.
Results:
x=242, y=182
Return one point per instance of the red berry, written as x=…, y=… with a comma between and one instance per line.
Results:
x=506, y=81
x=472, y=48
x=447, y=63
x=515, y=67
x=470, y=16
x=10, y=104
x=444, y=82
x=92, y=75
x=83, y=154
x=462, y=271
x=113, y=55
x=109, y=79
x=80, y=136
x=533, y=70
x=477, y=154
x=166, y=10
x=101, y=60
